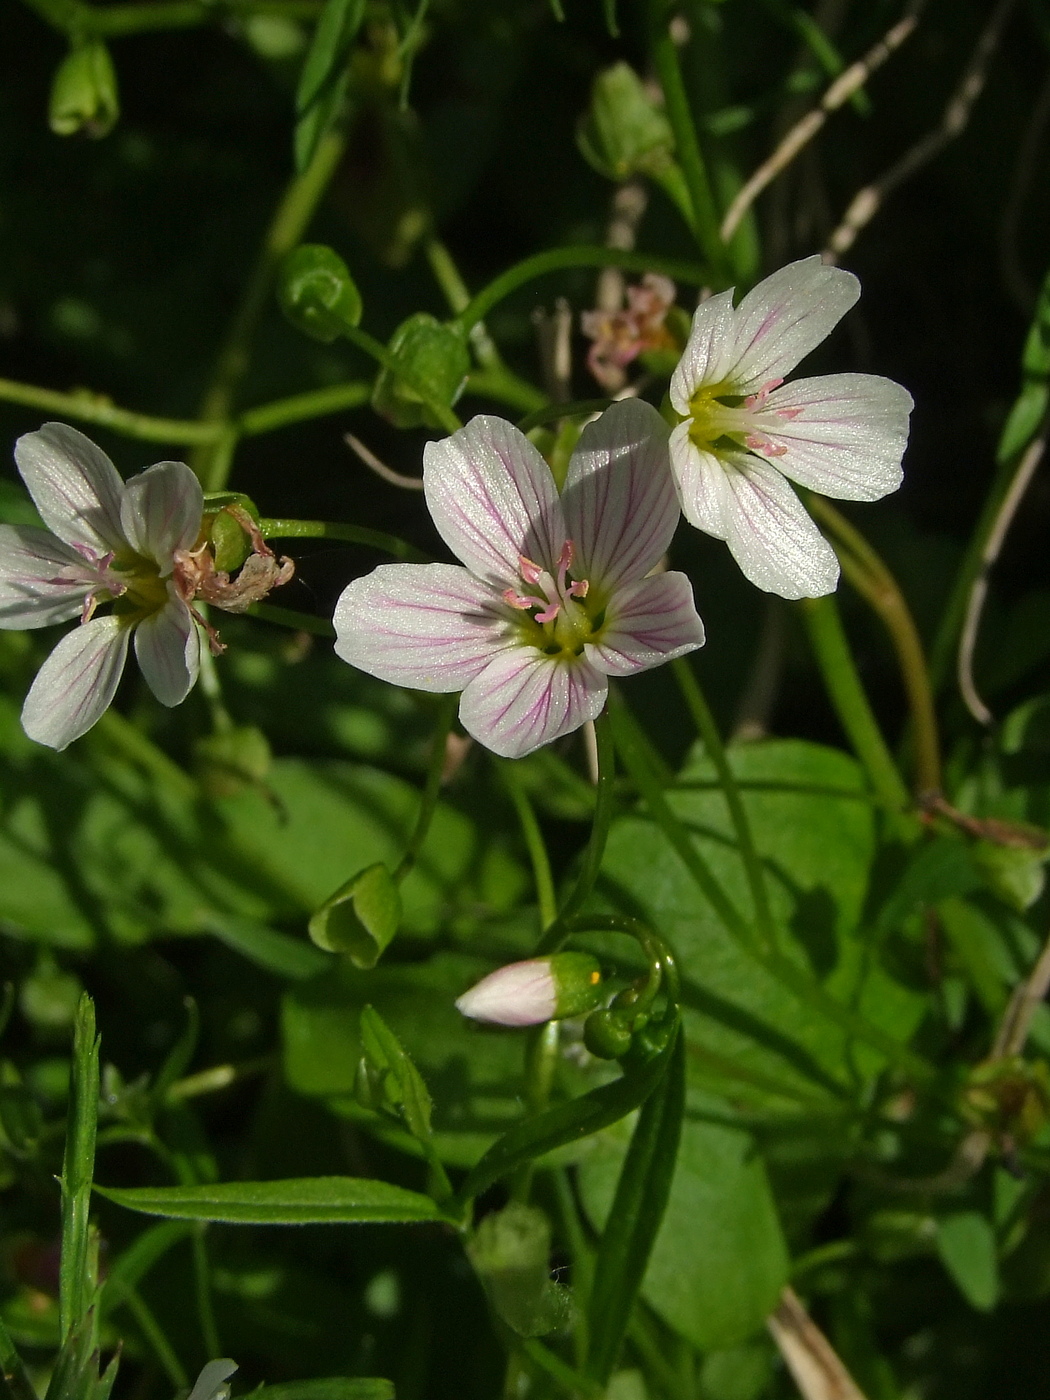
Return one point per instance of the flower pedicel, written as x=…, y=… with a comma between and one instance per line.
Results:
x=744, y=432
x=554, y=598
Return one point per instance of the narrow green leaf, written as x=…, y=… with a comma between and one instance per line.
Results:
x=177, y=1060
x=564, y=1123
x=329, y=1388
x=637, y=1210
x=76, y=1283
x=966, y=1245
x=404, y=1084
x=276, y=952
x=318, y=1200
x=337, y=25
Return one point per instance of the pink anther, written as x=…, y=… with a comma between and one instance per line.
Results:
x=579, y=588
x=522, y=600
x=757, y=443
x=757, y=400
x=529, y=571
x=549, y=613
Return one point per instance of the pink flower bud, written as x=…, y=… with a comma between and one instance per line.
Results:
x=536, y=990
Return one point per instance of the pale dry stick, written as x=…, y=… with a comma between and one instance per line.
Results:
x=554, y=335
x=800, y=135
x=1017, y=1019
x=763, y=681
x=867, y=202
x=372, y=462
x=814, y=1363
x=628, y=207
x=1026, y=468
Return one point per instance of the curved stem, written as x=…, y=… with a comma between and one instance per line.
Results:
x=96, y=408
x=712, y=741
x=431, y=791
x=581, y=255
x=873, y=580
x=505, y=386
x=266, y=417
x=349, y=534
x=288, y=617
x=552, y=411
x=534, y=843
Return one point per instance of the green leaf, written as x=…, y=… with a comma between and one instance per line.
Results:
x=332, y=1200
x=402, y=1083
x=329, y=1388
x=361, y=918
x=966, y=1245
x=278, y=953
x=719, y=1261
x=336, y=29
x=635, y=1216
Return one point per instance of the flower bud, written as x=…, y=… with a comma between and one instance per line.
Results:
x=435, y=361
x=84, y=92
x=317, y=293
x=624, y=133
x=537, y=990
x=361, y=917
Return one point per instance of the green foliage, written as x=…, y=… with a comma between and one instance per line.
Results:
x=432, y=363
x=317, y=293
x=84, y=92
x=317, y=1200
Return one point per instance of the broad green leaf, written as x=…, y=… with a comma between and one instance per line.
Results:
x=813, y=828
x=719, y=1261
x=333, y=1200
x=966, y=1245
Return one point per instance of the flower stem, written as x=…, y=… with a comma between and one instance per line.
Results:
x=315, y=404
x=87, y=407
x=874, y=581
x=505, y=387
x=579, y=255
x=447, y=276
x=289, y=223
x=577, y=409
x=832, y=650
x=435, y=768
x=289, y=617
x=712, y=741
x=664, y=56
x=534, y=843
x=276, y=529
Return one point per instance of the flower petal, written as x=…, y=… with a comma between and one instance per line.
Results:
x=846, y=434
x=427, y=626
x=75, y=486
x=161, y=510
x=523, y=700
x=168, y=650
x=76, y=683
x=619, y=500
x=785, y=317
x=648, y=622
x=42, y=580
x=771, y=535
x=493, y=499
x=519, y=994
x=702, y=484
x=709, y=352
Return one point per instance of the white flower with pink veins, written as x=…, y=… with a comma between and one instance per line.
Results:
x=106, y=541
x=554, y=598
x=745, y=433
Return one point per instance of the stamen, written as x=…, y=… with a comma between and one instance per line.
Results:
x=522, y=600
x=529, y=571
x=579, y=588
x=549, y=614
x=757, y=400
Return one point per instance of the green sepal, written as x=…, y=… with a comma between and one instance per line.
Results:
x=624, y=132
x=607, y=1035
x=434, y=360
x=361, y=917
x=317, y=293
x=398, y=1086
x=84, y=92
x=510, y=1251
x=1014, y=873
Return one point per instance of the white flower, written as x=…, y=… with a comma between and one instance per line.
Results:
x=742, y=433
x=556, y=595
x=106, y=541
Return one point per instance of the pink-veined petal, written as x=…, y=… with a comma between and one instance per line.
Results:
x=425, y=626
x=700, y=479
x=647, y=623
x=771, y=535
x=42, y=580
x=161, y=510
x=168, y=650
x=75, y=487
x=519, y=994
x=619, y=500
x=76, y=683
x=709, y=352
x=846, y=434
x=523, y=700
x=493, y=499
x=786, y=316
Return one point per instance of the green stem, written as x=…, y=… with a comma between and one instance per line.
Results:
x=293, y=215
x=448, y=278
x=16, y=1377
x=581, y=255
x=875, y=582
x=288, y=617
x=570, y=1381
x=315, y=404
x=668, y=70
x=552, y=411
x=712, y=741
x=153, y=1334
x=120, y=734
x=88, y=407
x=447, y=707
x=505, y=387
x=202, y=1283
x=276, y=529
x=534, y=843
x=847, y=694
x=76, y=1281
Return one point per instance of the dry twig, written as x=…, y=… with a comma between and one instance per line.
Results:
x=867, y=202
x=813, y=1362
x=800, y=135
x=372, y=462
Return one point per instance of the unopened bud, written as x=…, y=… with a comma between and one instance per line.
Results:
x=317, y=293
x=537, y=990
x=435, y=362
x=84, y=92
